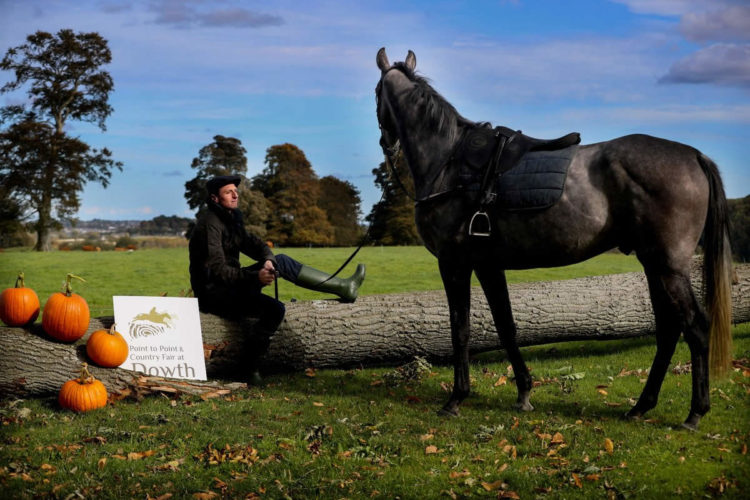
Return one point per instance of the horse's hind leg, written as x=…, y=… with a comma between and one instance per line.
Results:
x=456, y=277
x=676, y=310
x=495, y=289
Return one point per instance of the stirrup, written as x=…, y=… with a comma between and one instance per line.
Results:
x=479, y=225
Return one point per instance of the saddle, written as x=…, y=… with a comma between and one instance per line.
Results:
x=481, y=144
x=498, y=151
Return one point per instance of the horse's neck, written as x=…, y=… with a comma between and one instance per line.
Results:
x=426, y=155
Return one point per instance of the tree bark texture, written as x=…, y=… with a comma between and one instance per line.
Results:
x=375, y=330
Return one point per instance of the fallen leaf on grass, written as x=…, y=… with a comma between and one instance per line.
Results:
x=426, y=437
x=205, y=495
x=172, y=465
x=138, y=455
x=431, y=450
x=501, y=381
x=508, y=494
x=456, y=474
x=492, y=486
x=557, y=438
x=577, y=480
x=609, y=446
x=165, y=496
x=310, y=372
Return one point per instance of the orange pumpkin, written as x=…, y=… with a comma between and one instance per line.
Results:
x=83, y=393
x=107, y=348
x=66, y=314
x=19, y=306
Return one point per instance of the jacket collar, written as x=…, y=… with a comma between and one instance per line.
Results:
x=229, y=217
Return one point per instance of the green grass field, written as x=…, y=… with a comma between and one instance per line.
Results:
x=159, y=271
x=360, y=433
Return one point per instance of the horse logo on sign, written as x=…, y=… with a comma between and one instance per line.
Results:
x=150, y=323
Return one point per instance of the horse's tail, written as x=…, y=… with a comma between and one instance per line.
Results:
x=717, y=265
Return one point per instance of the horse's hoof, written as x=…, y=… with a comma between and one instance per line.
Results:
x=691, y=423
x=447, y=412
x=632, y=415
x=525, y=406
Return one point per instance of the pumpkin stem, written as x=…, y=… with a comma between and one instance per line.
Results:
x=112, y=329
x=85, y=377
x=19, y=279
x=66, y=287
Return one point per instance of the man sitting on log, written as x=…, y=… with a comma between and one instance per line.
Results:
x=226, y=289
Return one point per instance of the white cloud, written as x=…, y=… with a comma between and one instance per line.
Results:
x=667, y=7
x=724, y=64
x=729, y=24
x=665, y=115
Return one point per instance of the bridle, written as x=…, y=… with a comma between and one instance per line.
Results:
x=393, y=152
x=390, y=152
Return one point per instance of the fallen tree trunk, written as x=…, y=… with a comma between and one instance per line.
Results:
x=376, y=330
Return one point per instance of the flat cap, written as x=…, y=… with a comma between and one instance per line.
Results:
x=215, y=183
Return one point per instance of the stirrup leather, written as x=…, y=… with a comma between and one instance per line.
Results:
x=479, y=225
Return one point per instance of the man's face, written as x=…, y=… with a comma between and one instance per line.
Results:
x=227, y=197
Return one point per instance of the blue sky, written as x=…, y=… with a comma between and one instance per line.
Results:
x=304, y=72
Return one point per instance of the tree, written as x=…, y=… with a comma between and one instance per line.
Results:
x=392, y=218
x=225, y=156
x=43, y=166
x=293, y=190
x=376, y=330
x=255, y=209
x=341, y=202
x=11, y=228
x=739, y=216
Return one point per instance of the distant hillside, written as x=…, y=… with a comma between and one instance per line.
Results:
x=161, y=225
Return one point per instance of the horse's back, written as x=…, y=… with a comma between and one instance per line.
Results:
x=637, y=192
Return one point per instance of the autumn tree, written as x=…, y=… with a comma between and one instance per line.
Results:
x=739, y=217
x=341, y=202
x=11, y=227
x=225, y=156
x=392, y=218
x=40, y=163
x=293, y=190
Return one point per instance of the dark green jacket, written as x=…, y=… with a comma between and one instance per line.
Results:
x=215, y=245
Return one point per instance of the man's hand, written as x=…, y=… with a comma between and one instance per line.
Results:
x=267, y=273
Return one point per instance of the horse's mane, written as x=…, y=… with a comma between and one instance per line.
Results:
x=437, y=110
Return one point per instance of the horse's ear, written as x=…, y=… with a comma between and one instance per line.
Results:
x=382, y=60
x=411, y=60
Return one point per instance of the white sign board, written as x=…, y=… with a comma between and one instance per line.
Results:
x=163, y=336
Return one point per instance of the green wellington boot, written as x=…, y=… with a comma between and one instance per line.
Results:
x=346, y=288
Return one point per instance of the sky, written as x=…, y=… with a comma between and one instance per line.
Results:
x=269, y=73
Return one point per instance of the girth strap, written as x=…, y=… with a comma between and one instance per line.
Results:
x=479, y=225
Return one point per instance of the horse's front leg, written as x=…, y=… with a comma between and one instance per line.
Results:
x=456, y=275
x=495, y=289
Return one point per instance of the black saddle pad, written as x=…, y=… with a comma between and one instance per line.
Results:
x=536, y=182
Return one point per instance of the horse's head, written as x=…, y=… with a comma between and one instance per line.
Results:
x=389, y=86
x=409, y=108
